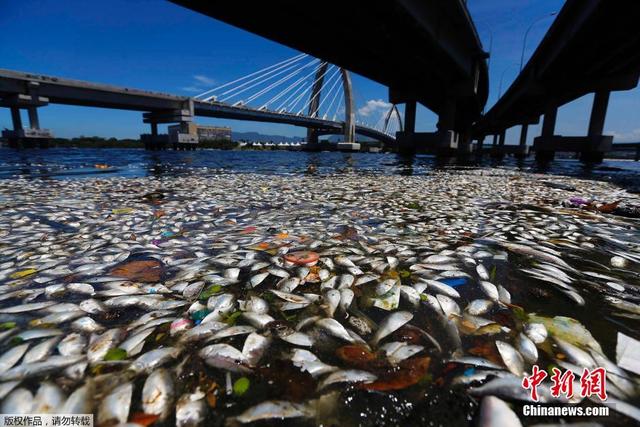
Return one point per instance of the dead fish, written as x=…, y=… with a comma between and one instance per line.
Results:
x=537, y=332
x=48, y=398
x=347, y=376
x=494, y=412
x=575, y=354
x=115, y=406
x=12, y=356
x=390, y=324
x=19, y=401
x=527, y=348
x=511, y=358
x=309, y=362
x=28, y=370
x=154, y=359
x=478, y=307
x=158, y=394
x=275, y=409
x=224, y=356
x=335, y=328
x=80, y=401
x=100, y=345
x=254, y=348
x=191, y=409
x=490, y=290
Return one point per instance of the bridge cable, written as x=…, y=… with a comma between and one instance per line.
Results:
x=335, y=96
x=277, y=83
x=310, y=86
x=292, y=59
x=287, y=89
x=301, y=87
x=306, y=105
x=262, y=79
x=328, y=95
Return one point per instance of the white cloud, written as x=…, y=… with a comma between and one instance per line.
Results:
x=200, y=84
x=204, y=80
x=631, y=136
x=191, y=89
x=374, y=106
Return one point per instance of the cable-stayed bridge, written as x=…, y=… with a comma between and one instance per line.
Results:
x=300, y=91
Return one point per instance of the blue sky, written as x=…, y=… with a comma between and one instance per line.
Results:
x=156, y=45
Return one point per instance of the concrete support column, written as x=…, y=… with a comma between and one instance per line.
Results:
x=596, y=128
x=549, y=122
x=548, y=129
x=407, y=143
x=523, y=135
x=598, y=113
x=410, y=117
x=349, y=130
x=522, y=149
x=480, y=146
x=446, y=120
x=498, y=142
x=34, y=122
x=16, y=119
x=153, y=144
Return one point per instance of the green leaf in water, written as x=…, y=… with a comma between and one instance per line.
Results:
x=268, y=297
x=116, y=354
x=241, y=386
x=405, y=274
x=209, y=292
x=289, y=317
x=7, y=325
x=16, y=340
x=424, y=297
x=519, y=313
x=232, y=318
x=492, y=275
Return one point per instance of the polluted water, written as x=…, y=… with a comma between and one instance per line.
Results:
x=348, y=299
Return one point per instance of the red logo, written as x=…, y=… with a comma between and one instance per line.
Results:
x=592, y=382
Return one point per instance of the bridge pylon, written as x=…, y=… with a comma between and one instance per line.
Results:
x=183, y=136
x=32, y=136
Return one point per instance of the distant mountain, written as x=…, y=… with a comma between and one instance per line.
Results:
x=255, y=136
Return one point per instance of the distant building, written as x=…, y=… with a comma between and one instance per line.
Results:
x=214, y=133
x=204, y=133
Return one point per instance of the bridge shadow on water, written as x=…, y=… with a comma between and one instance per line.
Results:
x=66, y=163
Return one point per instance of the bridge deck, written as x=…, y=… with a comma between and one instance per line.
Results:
x=82, y=93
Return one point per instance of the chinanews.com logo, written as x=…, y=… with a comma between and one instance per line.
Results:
x=593, y=383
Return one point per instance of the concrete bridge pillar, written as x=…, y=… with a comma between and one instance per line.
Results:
x=480, y=146
x=447, y=137
x=591, y=148
x=522, y=148
x=596, y=147
x=32, y=136
x=34, y=122
x=16, y=119
x=497, y=150
x=542, y=144
x=181, y=136
x=406, y=138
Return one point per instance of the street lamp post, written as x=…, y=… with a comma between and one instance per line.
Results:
x=524, y=43
x=502, y=78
